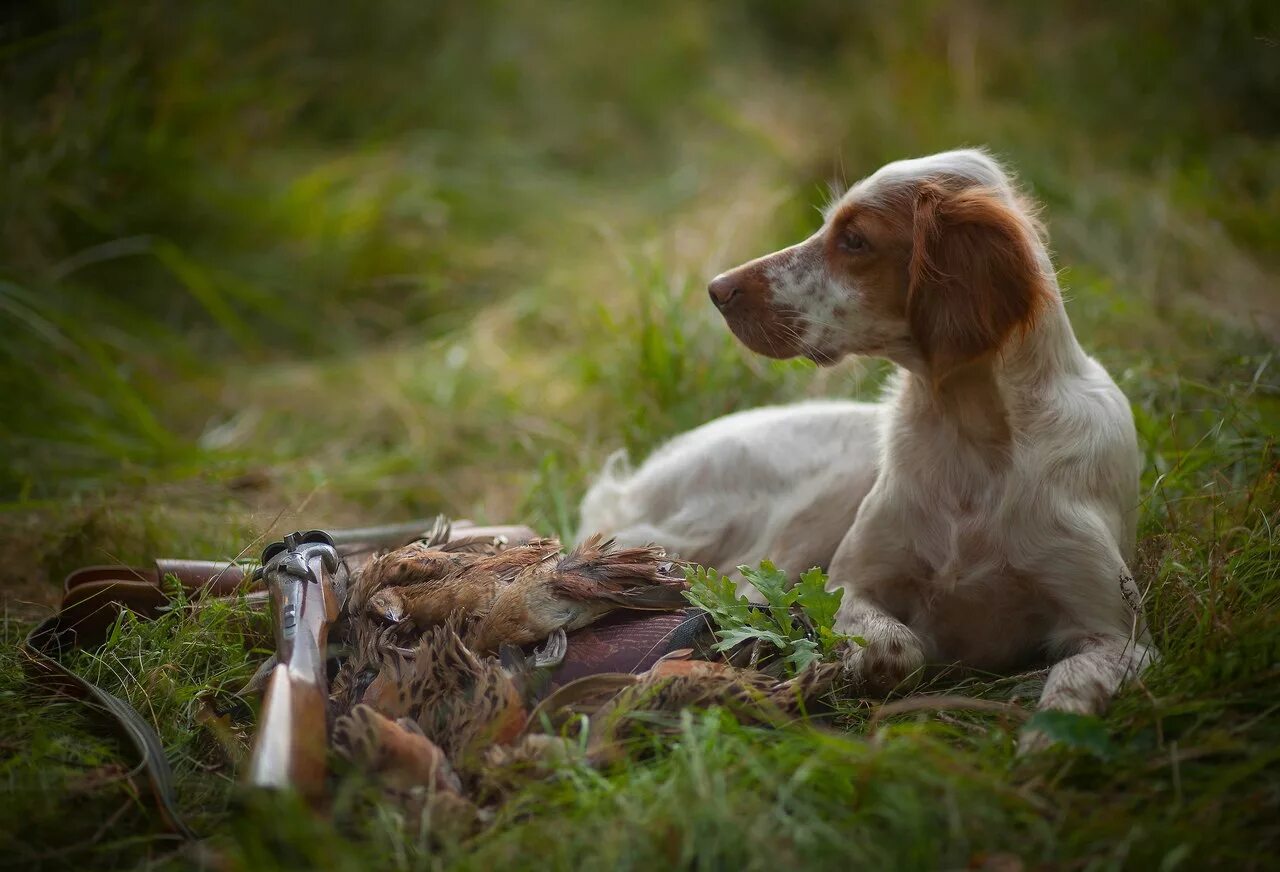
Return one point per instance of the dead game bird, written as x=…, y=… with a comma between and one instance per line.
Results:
x=411, y=770
x=461, y=701
x=522, y=594
x=433, y=558
x=394, y=751
x=610, y=700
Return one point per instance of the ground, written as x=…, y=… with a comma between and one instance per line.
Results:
x=276, y=269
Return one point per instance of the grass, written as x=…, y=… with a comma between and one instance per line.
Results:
x=258, y=275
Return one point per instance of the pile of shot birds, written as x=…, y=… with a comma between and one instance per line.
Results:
x=473, y=665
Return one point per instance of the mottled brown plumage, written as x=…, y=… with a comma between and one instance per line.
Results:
x=518, y=595
x=609, y=700
x=461, y=700
x=395, y=751
x=420, y=562
x=424, y=704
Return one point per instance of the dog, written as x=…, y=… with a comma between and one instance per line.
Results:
x=984, y=513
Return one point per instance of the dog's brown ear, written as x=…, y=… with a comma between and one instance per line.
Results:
x=974, y=277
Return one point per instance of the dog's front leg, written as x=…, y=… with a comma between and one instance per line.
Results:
x=886, y=655
x=1085, y=682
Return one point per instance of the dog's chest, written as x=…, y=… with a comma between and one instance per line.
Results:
x=959, y=590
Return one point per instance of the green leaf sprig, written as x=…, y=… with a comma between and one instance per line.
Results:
x=798, y=619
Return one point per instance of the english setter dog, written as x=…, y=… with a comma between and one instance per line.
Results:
x=984, y=512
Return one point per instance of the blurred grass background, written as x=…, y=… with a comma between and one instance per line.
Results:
x=310, y=265
x=400, y=259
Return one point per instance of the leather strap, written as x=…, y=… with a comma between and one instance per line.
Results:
x=93, y=598
x=43, y=666
x=630, y=642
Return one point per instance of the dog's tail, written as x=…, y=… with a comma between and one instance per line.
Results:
x=606, y=508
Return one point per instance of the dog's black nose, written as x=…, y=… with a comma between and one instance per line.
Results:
x=723, y=290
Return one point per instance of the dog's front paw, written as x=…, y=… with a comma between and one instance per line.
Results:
x=892, y=659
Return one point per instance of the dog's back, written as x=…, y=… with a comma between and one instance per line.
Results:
x=780, y=482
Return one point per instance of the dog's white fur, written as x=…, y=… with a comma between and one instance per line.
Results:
x=983, y=514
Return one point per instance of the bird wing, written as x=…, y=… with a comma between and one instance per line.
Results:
x=509, y=563
x=413, y=564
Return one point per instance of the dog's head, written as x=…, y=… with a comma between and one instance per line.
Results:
x=933, y=262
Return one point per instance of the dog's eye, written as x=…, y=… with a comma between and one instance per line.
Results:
x=853, y=242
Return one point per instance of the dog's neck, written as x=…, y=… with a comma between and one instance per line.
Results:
x=981, y=401
x=968, y=399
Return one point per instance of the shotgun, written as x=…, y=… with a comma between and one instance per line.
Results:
x=306, y=577
x=307, y=586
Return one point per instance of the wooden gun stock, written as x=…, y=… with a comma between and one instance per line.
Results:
x=306, y=586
